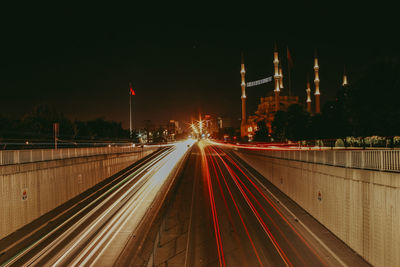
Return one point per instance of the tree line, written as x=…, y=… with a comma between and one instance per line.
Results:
x=38, y=124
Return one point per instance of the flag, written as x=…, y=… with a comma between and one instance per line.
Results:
x=132, y=92
x=289, y=57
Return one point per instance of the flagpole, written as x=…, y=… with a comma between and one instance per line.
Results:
x=133, y=114
x=290, y=82
x=130, y=112
x=288, y=65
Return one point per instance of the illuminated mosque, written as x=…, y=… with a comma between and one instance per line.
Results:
x=275, y=101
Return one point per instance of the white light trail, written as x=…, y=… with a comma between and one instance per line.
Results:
x=143, y=193
x=136, y=207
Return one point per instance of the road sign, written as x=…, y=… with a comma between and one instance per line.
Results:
x=24, y=194
x=258, y=82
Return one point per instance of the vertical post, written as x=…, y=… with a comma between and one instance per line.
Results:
x=130, y=115
x=290, y=82
x=133, y=115
x=289, y=63
x=55, y=130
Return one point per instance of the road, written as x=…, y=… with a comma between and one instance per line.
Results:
x=92, y=228
x=225, y=214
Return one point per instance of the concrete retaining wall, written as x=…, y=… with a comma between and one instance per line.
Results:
x=29, y=190
x=361, y=207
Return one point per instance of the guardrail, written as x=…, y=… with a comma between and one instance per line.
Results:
x=25, y=156
x=382, y=160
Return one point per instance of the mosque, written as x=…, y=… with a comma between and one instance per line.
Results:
x=275, y=101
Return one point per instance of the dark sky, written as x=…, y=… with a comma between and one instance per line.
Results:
x=180, y=60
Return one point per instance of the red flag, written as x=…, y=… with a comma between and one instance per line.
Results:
x=289, y=57
x=132, y=91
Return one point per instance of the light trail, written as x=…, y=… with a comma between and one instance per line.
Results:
x=271, y=220
x=59, y=239
x=155, y=179
x=228, y=210
x=112, y=228
x=273, y=147
x=264, y=226
x=148, y=179
x=272, y=204
x=103, y=187
x=240, y=216
x=213, y=208
x=157, y=175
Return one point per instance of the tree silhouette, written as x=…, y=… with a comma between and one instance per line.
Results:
x=262, y=132
x=280, y=125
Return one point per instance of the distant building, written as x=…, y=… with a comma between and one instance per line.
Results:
x=173, y=129
x=269, y=105
x=267, y=108
x=211, y=124
x=225, y=122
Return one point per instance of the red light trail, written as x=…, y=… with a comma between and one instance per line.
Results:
x=241, y=217
x=213, y=209
x=274, y=207
x=246, y=198
x=266, y=229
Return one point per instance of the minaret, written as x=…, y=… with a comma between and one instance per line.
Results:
x=316, y=82
x=308, y=90
x=243, y=126
x=345, y=82
x=276, y=78
x=280, y=77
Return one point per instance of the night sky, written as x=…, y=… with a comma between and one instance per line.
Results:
x=180, y=60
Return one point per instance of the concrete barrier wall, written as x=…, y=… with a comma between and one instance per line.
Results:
x=361, y=207
x=8, y=157
x=29, y=190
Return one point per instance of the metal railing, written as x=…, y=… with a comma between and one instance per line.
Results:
x=25, y=156
x=382, y=160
